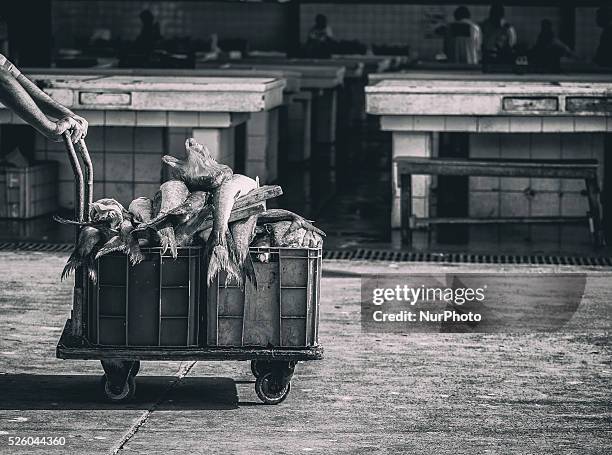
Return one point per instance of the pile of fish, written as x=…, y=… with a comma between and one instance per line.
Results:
x=203, y=203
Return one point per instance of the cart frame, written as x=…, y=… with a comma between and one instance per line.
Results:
x=272, y=366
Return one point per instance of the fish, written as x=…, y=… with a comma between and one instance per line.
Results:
x=243, y=232
x=141, y=210
x=189, y=209
x=82, y=256
x=103, y=213
x=281, y=236
x=108, y=210
x=173, y=193
x=221, y=254
x=297, y=221
x=124, y=242
x=199, y=170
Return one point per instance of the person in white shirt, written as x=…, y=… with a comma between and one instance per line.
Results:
x=463, y=38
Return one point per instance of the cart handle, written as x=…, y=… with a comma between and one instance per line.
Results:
x=83, y=192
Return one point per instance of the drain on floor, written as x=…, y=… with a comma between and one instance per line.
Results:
x=383, y=255
x=407, y=256
x=36, y=246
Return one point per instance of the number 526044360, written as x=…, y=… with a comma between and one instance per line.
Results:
x=36, y=440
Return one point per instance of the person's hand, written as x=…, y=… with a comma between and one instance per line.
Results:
x=76, y=128
x=83, y=125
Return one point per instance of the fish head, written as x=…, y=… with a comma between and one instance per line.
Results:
x=176, y=165
x=107, y=210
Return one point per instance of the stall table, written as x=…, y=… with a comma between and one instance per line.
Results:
x=172, y=107
x=416, y=107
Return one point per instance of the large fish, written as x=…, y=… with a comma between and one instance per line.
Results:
x=173, y=194
x=82, y=255
x=297, y=221
x=199, y=170
x=189, y=209
x=221, y=247
x=104, y=213
x=281, y=235
x=141, y=209
x=108, y=210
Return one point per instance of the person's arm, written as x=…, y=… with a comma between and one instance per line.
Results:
x=52, y=108
x=16, y=98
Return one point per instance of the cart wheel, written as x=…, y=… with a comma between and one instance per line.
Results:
x=259, y=367
x=271, y=389
x=119, y=395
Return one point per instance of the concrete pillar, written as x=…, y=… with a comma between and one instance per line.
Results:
x=325, y=104
x=299, y=126
x=415, y=144
x=262, y=146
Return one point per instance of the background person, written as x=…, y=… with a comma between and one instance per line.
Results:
x=320, y=38
x=498, y=37
x=463, y=38
x=549, y=50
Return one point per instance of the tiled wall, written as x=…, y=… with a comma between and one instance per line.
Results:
x=493, y=196
x=263, y=24
x=386, y=24
x=126, y=160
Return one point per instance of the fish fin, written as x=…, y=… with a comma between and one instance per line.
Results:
x=114, y=244
x=134, y=252
x=71, y=266
x=166, y=240
x=90, y=268
x=249, y=270
x=219, y=260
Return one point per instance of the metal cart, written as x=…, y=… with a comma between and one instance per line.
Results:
x=161, y=309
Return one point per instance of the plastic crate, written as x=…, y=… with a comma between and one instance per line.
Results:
x=154, y=304
x=282, y=312
x=28, y=192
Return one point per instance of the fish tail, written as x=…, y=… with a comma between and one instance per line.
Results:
x=73, y=263
x=134, y=252
x=168, y=240
x=219, y=260
x=91, y=270
x=249, y=270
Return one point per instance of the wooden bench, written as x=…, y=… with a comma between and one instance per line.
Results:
x=566, y=169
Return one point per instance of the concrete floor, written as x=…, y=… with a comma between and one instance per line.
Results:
x=373, y=393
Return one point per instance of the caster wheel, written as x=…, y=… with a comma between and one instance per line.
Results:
x=119, y=394
x=259, y=367
x=270, y=389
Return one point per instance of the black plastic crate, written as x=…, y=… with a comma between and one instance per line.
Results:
x=155, y=303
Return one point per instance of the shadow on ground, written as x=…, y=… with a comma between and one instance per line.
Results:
x=83, y=392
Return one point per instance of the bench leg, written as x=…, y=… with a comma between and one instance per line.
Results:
x=594, y=212
x=406, y=208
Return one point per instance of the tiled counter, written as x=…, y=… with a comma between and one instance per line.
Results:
x=135, y=120
x=505, y=118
